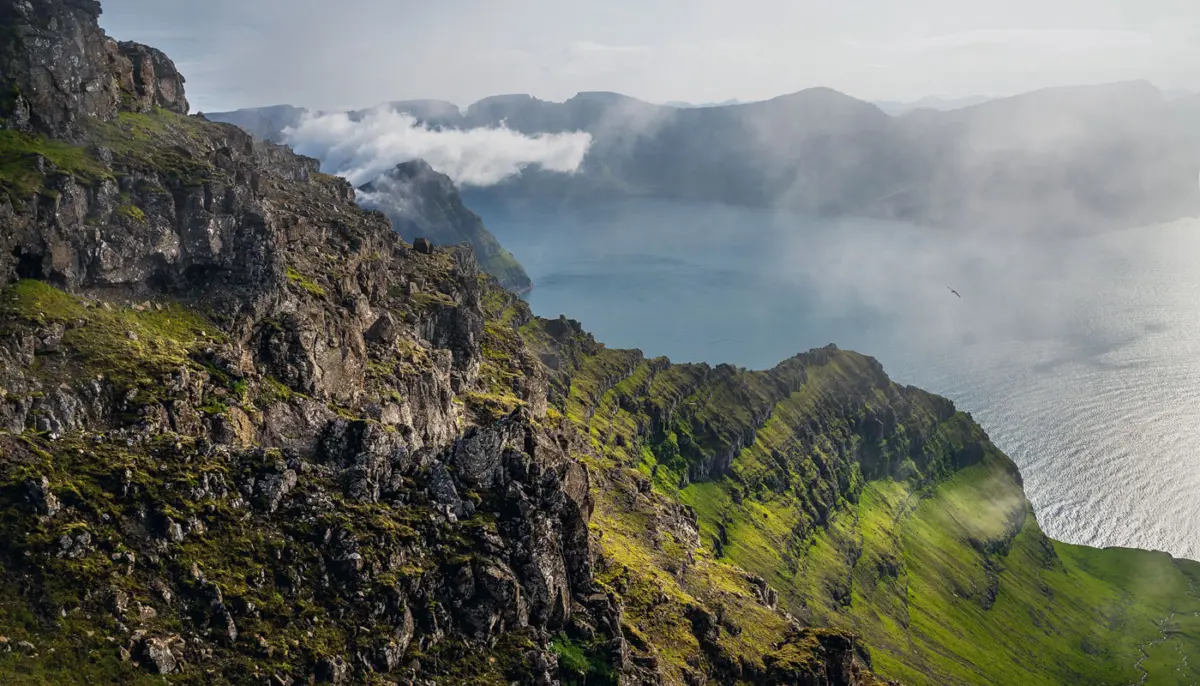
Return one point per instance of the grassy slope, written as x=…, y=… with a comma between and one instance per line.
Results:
x=943, y=570
x=646, y=557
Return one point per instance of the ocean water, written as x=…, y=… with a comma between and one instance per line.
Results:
x=1080, y=357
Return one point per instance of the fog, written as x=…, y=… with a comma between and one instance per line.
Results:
x=394, y=197
x=361, y=148
x=1079, y=159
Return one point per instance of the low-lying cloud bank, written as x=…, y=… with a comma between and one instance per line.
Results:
x=362, y=149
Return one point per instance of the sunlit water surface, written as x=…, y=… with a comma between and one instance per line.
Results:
x=1080, y=357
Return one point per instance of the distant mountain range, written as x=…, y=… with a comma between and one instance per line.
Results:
x=723, y=103
x=931, y=102
x=1073, y=158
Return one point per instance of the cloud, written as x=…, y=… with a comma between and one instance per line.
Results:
x=361, y=149
x=396, y=198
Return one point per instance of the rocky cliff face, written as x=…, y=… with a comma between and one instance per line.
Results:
x=250, y=435
x=423, y=203
x=59, y=71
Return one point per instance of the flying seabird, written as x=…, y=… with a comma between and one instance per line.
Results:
x=953, y=291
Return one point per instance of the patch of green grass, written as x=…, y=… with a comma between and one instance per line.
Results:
x=130, y=348
x=132, y=212
x=160, y=141
x=271, y=390
x=580, y=664
x=427, y=299
x=19, y=175
x=491, y=406
x=305, y=283
x=213, y=408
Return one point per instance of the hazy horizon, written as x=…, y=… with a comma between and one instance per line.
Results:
x=941, y=101
x=239, y=55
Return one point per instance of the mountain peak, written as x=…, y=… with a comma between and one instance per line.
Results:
x=603, y=96
x=412, y=170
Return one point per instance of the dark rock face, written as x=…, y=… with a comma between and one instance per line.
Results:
x=423, y=246
x=39, y=494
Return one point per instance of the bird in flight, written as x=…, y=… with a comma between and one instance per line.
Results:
x=953, y=291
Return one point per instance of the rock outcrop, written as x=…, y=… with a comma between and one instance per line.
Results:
x=59, y=70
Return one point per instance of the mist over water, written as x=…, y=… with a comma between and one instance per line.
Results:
x=1080, y=356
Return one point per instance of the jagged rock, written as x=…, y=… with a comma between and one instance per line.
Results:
x=216, y=615
x=332, y=670
x=422, y=245
x=442, y=489
x=156, y=653
x=156, y=82
x=766, y=595
x=75, y=547
x=60, y=412
x=120, y=601
x=81, y=72
x=478, y=455
x=385, y=329
x=223, y=621
x=174, y=531
x=388, y=656
x=273, y=488
x=37, y=490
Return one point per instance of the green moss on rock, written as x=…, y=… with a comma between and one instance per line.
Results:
x=27, y=161
x=132, y=212
x=310, y=286
x=131, y=347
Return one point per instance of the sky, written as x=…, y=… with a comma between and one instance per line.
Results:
x=336, y=54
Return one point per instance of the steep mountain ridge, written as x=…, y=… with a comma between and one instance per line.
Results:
x=878, y=508
x=250, y=435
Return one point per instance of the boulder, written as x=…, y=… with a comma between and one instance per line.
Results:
x=37, y=491
x=156, y=655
